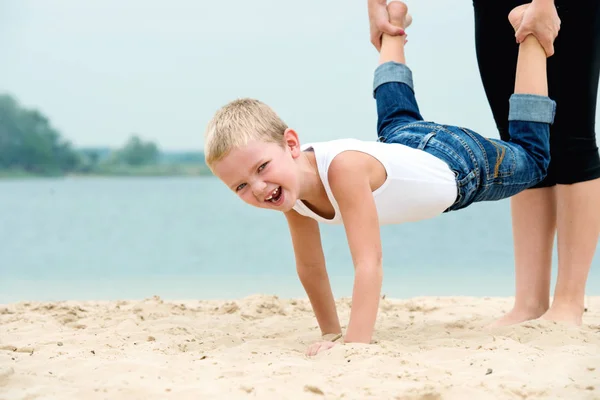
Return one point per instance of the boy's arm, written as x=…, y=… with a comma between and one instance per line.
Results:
x=349, y=181
x=310, y=266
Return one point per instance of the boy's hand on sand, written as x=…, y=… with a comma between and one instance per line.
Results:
x=379, y=22
x=540, y=20
x=318, y=347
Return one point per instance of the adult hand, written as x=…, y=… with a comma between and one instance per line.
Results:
x=379, y=22
x=540, y=20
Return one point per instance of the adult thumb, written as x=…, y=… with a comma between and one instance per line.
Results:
x=521, y=34
x=548, y=46
x=391, y=29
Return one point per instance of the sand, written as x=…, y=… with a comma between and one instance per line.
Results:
x=425, y=348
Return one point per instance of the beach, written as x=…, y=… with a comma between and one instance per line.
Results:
x=423, y=348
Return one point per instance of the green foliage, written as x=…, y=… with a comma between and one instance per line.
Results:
x=30, y=146
x=136, y=153
x=29, y=143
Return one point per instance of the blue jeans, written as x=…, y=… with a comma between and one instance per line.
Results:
x=486, y=169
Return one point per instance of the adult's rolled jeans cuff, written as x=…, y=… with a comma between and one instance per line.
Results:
x=531, y=108
x=392, y=71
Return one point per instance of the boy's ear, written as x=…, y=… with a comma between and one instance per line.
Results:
x=292, y=142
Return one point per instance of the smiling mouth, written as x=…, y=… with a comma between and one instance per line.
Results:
x=275, y=195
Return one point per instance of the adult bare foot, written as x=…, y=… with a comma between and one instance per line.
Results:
x=564, y=312
x=518, y=315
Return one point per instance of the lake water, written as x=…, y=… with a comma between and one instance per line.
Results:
x=109, y=238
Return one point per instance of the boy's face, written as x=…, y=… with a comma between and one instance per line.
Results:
x=263, y=174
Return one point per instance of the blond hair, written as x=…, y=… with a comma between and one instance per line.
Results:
x=238, y=123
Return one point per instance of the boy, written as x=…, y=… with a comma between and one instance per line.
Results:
x=415, y=170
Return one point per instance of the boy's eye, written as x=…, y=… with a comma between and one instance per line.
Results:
x=240, y=187
x=262, y=166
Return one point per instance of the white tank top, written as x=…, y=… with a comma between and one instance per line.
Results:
x=418, y=185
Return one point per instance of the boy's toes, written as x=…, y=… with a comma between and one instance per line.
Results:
x=407, y=21
x=516, y=16
x=398, y=11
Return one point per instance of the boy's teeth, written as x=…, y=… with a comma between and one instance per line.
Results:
x=273, y=193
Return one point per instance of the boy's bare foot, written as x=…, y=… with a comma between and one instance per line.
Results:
x=516, y=316
x=515, y=17
x=399, y=16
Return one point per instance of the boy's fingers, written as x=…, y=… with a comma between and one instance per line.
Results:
x=313, y=349
x=316, y=348
x=310, y=351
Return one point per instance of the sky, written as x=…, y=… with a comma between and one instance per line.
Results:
x=102, y=70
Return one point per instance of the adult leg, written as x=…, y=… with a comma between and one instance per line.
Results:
x=515, y=165
x=578, y=171
x=533, y=211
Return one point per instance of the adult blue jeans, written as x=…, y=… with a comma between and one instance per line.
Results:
x=486, y=169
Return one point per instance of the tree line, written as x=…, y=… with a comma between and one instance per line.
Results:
x=30, y=144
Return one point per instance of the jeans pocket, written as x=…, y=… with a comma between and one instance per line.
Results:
x=502, y=160
x=498, y=158
x=411, y=135
x=466, y=187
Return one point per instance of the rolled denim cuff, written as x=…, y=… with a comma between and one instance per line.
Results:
x=531, y=108
x=392, y=71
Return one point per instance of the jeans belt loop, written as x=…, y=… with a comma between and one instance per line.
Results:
x=425, y=140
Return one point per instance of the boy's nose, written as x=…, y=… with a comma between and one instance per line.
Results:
x=259, y=188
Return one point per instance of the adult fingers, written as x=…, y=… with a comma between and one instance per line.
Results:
x=546, y=39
